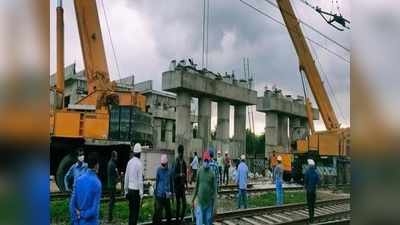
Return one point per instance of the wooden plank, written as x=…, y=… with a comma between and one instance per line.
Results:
x=272, y=218
x=249, y=220
x=283, y=216
x=264, y=220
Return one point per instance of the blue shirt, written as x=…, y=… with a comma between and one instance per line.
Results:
x=86, y=198
x=215, y=168
x=163, y=182
x=74, y=172
x=311, y=179
x=241, y=177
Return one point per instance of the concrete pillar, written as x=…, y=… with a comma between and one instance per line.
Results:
x=223, y=121
x=183, y=128
x=156, y=132
x=283, y=131
x=204, y=124
x=240, y=127
x=271, y=132
x=168, y=132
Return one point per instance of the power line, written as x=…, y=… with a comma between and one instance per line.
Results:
x=111, y=40
x=306, y=37
x=309, y=26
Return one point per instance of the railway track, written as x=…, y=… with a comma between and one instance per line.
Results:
x=328, y=212
x=224, y=190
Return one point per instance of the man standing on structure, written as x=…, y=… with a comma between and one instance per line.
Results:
x=311, y=179
x=241, y=181
x=75, y=170
x=220, y=161
x=112, y=180
x=163, y=192
x=85, y=199
x=227, y=162
x=278, y=180
x=133, y=184
x=204, y=192
x=180, y=185
x=195, y=165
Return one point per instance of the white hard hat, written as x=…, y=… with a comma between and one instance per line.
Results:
x=242, y=157
x=137, y=148
x=279, y=158
x=226, y=152
x=311, y=162
x=164, y=159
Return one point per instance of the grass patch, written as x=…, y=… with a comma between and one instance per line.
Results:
x=59, y=209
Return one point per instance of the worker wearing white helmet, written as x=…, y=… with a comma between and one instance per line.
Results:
x=278, y=180
x=241, y=181
x=311, y=180
x=220, y=160
x=133, y=185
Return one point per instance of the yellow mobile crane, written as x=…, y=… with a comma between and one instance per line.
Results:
x=332, y=144
x=108, y=118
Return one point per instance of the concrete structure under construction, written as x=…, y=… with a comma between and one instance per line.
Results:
x=285, y=120
x=188, y=82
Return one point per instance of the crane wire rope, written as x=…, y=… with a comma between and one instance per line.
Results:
x=111, y=40
x=306, y=37
x=310, y=27
x=325, y=76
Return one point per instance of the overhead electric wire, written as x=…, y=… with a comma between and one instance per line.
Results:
x=111, y=40
x=306, y=37
x=310, y=26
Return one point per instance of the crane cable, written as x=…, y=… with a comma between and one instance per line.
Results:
x=325, y=76
x=310, y=26
x=111, y=40
x=306, y=37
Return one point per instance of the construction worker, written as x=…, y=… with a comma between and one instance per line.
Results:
x=215, y=168
x=163, y=192
x=241, y=182
x=227, y=162
x=180, y=185
x=278, y=180
x=220, y=160
x=75, y=170
x=311, y=180
x=133, y=184
x=85, y=199
x=112, y=180
x=195, y=166
x=204, y=192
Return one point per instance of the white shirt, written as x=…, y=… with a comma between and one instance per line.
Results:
x=195, y=163
x=134, y=176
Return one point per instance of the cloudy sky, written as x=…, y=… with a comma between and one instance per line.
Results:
x=148, y=34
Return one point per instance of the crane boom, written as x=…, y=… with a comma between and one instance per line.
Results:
x=93, y=52
x=307, y=65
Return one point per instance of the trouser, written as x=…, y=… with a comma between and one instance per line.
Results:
x=159, y=205
x=220, y=175
x=134, y=206
x=279, y=192
x=226, y=174
x=203, y=215
x=194, y=175
x=180, y=200
x=311, y=204
x=242, y=198
x=111, y=203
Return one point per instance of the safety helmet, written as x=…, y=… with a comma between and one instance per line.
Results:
x=242, y=157
x=206, y=156
x=310, y=162
x=137, y=148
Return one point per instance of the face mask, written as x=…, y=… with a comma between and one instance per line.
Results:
x=81, y=158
